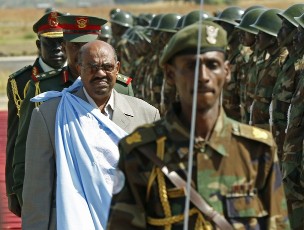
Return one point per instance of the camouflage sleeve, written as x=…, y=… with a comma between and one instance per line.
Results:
x=127, y=208
x=272, y=194
x=19, y=153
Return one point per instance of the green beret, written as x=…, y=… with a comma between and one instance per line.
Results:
x=185, y=41
x=79, y=28
x=48, y=26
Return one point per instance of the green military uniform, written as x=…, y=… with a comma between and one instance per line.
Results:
x=154, y=79
x=46, y=26
x=15, y=93
x=281, y=96
x=249, y=196
x=292, y=159
x=285, y=84
x=268, y=24
x=267, y=76
x=231, y=92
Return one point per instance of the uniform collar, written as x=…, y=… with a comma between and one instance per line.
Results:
x=220, y=137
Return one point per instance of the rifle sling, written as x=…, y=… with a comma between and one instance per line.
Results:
x=195, y=197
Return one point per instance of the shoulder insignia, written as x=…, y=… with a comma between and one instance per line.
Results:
x=142, y=135
x=123, y=79
x=48, y=74
x=20, y=71
x=252, y=133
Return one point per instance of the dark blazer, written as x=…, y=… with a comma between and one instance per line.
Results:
x=39, y=190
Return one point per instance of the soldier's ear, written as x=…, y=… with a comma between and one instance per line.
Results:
x=169, y=74
x=227, y=70
x=117, y=66
x=38, y=44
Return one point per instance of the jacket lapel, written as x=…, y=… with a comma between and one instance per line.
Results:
x=123, y=112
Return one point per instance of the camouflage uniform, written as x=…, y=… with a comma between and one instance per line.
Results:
x=244, y=64
x=53, y=80
x=124, y=56
x=254, y=64
x=232, y=91
x=281, y=97
x=266, y=77
x=249, y=196
x=292, y=160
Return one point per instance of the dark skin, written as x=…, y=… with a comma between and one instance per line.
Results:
x=214, y=73
x=50, y=50
x=266, y=42
x=298, y=40
x=246, y=38
x=285, y=36
x=71, y=49
x=98, y=68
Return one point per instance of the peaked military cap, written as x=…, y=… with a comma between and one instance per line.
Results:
x=185, y=41
x=79, y=28
x=48, y=26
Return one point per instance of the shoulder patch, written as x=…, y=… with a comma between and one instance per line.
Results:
x=48, y=74
x=123, y=79
x=142, y=135
x=20, y=71
x=252, y=133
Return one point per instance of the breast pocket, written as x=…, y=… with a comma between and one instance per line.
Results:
x=244, y=206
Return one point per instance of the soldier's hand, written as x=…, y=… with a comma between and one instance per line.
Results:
x=13, y=205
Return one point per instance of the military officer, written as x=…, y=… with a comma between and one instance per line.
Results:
x=50, y=57
x=236, y=173
x=77, y=31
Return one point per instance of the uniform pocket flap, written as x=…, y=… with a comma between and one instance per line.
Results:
x=244, y=206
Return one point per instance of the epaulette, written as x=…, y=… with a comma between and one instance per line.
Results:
x=252, y=133
x=49, y=74
x=123, y=79
x=299, y=65
x=142, y=135
x=20, y=71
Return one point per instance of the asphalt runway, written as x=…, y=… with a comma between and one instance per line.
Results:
x=9, y=220
x=12, y=64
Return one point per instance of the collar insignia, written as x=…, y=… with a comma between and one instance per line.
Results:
x=134, y=138
x=259, y=134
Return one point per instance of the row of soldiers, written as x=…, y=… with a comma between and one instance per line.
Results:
x=265, y=53
x=265, y=50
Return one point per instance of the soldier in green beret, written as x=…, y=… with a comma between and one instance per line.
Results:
x=77, y=31
x=50, y=57
x=236, y=181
